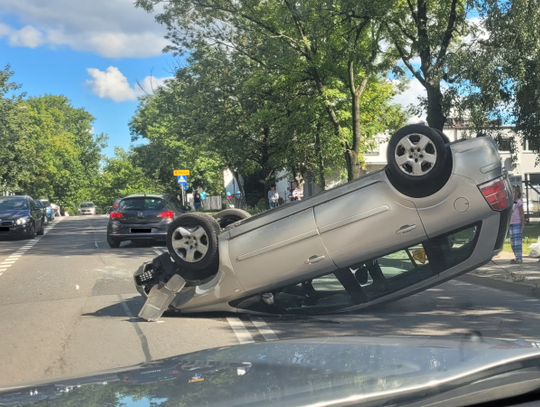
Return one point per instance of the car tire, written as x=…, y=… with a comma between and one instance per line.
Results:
x=229, y=216
x=32, y=232
x=45, y=221
x=409, y=169
x=192, y=240
x=41, y=231
x=113, y=243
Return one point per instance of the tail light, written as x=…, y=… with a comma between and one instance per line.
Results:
x=116, y=215
x=115, y=205
x=166, y=215
x=496, y=194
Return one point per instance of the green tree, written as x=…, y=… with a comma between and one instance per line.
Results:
x=432, y=31
x=324, y=44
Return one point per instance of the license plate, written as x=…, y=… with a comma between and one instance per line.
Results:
x=141, y=230
x=4, y=229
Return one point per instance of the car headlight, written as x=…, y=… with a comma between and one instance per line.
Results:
x=22, y=221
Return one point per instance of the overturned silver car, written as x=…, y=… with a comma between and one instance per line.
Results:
x=436, y=211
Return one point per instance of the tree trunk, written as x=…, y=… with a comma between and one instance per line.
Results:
x=435, y=116
x=354, y=168
x=320, y=161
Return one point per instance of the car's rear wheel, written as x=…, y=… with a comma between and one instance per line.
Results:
x=45, y=220
x=443, y=136
x=229, y=216
x=418, y=160
x=192, y=240
x=113, y=243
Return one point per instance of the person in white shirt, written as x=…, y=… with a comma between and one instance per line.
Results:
x=273, y=197
x=296, y=193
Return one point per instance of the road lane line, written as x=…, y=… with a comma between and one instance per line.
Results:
x=12, y=259
x=239, y=329
x=140, y=334
x=264, y=329
x=157, y=252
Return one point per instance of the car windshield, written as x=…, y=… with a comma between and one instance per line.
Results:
x=182, y=175
x=10, y=204
x=140, y=204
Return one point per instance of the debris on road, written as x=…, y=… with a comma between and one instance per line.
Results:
x=160, y=297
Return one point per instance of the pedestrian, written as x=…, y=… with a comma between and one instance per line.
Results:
x=517, y=224
x=273, y=197
x=296, y=193
x=197, y=200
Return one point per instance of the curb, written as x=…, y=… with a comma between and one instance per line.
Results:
x=515, y=287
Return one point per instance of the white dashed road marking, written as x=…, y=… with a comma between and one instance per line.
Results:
x=22, y=250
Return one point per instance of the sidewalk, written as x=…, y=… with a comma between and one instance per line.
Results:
x=501, y=274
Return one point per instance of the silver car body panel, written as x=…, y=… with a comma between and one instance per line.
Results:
x=311, y=238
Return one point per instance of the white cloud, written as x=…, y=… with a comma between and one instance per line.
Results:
x=112, y=84
x=410, y=97
x=110, y=28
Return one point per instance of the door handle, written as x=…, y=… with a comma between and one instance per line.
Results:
x=314, y=259
x=405, y=229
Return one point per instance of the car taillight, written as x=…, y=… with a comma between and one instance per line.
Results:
x=166, y=215
x=496, y=194
x=116, y=215
x=115, y=205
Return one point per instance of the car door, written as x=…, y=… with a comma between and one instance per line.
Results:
x=367, y=222
x=286, y=250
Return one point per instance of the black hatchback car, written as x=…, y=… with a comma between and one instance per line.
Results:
x=20, y=217
x=142, y=217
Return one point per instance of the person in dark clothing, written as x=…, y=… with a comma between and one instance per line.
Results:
x=197, y=200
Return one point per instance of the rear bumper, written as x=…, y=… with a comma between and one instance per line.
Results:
x=137, y=231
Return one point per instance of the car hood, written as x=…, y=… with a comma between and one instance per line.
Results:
x=322, y=371
x=12, y=215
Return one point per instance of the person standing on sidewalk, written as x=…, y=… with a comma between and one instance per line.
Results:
x=273, y=197
x=517, y=224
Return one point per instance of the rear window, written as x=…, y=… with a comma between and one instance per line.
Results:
x=7, y=204
x=141, y=203
x=45, y=202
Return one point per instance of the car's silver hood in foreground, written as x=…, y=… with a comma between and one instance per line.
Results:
x=304, y=372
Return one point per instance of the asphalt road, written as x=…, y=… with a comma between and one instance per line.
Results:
x=68, y=306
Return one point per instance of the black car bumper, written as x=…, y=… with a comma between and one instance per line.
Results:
x=138, y=231
x=15, y=231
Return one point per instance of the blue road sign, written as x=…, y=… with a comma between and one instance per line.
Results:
x=181, y=179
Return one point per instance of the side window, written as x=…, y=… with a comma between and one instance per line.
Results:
x=394, y=271
x=32, y=204
x=322, y=294
x=454, y=248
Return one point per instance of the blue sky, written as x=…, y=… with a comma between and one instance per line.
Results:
x=93, y=52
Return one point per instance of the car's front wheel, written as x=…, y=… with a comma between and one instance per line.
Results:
x=31, y=231
x=192, y=240
x=41, y=230
x=418, y=160
x=113, y=243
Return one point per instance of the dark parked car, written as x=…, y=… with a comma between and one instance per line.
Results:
x=142, y=217
x=20, y=217
x=48, y=209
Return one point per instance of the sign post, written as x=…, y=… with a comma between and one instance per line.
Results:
x=182, y=181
